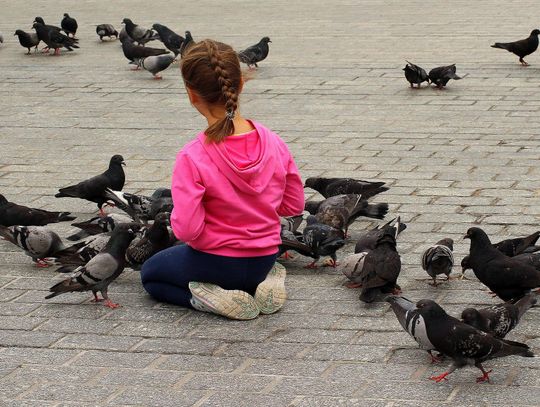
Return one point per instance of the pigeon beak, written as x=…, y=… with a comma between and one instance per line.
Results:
x=123, y=163
x=466, y=237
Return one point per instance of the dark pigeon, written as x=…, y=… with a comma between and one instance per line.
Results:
x=340, y=211
x=123, y=36
x=153, y=239
x=412, y=322
x=381, y=267
x=80, y=253
x=134, y=52
x=54, y=39
x=141, y=206
x=464, y=344
x=156, y=64
x=328, y=187
x=69, y=25
x=28, y=40
x=50, y=27
x=439, y=259
x=100, y=271
x=106, y=30
x=99, y=224
x=169, y=38
x=505, y=276
x=500, y=319
x=137, y=33
x=38, y=242
x=521, y=48
x=415, y=75
x=368, y=241
x=441, y=75
x=93, y=189
x=12, y=214
x=532, y=259
x=323, y=240
x=256, y=53
x=188, y=42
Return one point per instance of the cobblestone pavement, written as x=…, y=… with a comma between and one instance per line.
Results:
x=333, y=88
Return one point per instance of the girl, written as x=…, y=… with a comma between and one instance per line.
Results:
x=230, y=185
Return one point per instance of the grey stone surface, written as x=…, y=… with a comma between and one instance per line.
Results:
x=333, y=88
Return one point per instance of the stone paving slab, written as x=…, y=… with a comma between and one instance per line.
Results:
x=333, y=88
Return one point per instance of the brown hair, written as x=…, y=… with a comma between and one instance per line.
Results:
x=212, y=69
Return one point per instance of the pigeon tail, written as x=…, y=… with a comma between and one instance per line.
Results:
x=500, y=45
x=78, y=236
x=65, y=216
x=525, y=303
x=378, y=211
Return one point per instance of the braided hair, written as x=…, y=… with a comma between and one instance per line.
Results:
x=212, y=69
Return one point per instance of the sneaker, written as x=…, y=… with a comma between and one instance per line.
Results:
x=271, y=295
x=233, y=304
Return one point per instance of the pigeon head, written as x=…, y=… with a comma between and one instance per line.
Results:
x=266, y=40
x=162, y=218
x=39, y=20
x=19, y=32
x=311, y=220
x=117, y=160
x=66, y=15
x=429, y=308
x=535, y=32
x=127, y=21
x=471, y=317
x=312, y=206
x=312, y=182
x=447, y=242
x=120, y=239
x=478, y=237
x=465, y=264
x=3, y=200
x=37, y=24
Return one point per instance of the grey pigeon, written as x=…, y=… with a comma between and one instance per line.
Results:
x=137, y=33
x=169, y=38
x=141, y=206
x=80, y=253
x=439, y=259
x=521, y=48
x=69, y=25
x=328, y=187
x=188, y=42
x=256, y=53
x=340, y=211
x=54, y=39
x=100, y=271
x=499, y=319
x=323, y=240
x=106, y=30
x=289, y=232
x=28, y=40
x=98, y=224
x=351, y=266
x=156, y=64
x=292, y=241
x=415, y=74
x=412, y=322
x=93, y=189
x=154, y=239
x=12, y=214
x=134, y=53
x=441, y=75
x=505, y=276
x=37, y=242
x=464, y=344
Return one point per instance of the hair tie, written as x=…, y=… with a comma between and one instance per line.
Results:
x=230, y=114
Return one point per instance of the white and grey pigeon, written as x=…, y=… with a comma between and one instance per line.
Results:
x=37, y=242
x=80, y=253
x=27, y=40
x=100, y=271
x=106, y=30
x=98, y=224
x=141, y=206
x=439, y=259
x=156, y=64
x=139, y=34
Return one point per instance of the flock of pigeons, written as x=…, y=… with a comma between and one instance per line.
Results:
x=133, y=38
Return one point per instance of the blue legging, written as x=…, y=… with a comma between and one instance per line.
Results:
x=166, y=275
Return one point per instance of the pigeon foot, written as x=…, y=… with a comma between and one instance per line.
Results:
x=158, y=77
x=352, y=284
x=112, y=305
x=484, y=377
x=287, y=256
x=434, y=359
x=330, y=263
x=311, y=265
x=97, y=299
x=42, y=263
x=440, y=378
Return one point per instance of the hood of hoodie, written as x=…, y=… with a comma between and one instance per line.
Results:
x=253, y=177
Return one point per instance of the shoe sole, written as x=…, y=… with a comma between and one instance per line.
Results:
x=233, y=304
x=271, y=295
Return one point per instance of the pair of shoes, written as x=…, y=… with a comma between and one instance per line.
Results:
x=233, y=304
x=271, y=295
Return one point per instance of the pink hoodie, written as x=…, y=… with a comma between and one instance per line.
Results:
x=228, y=196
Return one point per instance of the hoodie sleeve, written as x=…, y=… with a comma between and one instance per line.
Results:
x=188, y=214
x=293, y=196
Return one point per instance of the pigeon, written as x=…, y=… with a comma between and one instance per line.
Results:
x=37, y=242
x=352, y=266
x=1, y=38
x=156, y=64
x=69, y=25
x=340, y=211
x=505, y=276
x=135, y=52
x=169, y=38
x=368, y=241
x=54, y=39
x=12, y=214
x=137, y=33
x=141, y=206
x=415, y=74
x=256, y=53
x=292, y=241
x=154, y=239
x=323, y=240
x=80, y=253
x=381, y=267
x=412, y=322
x=28, y=40
x=100, y=271
x=50, y=27
x=500, y=319
x=439, y=259
x=532, y=259
x=521, y=48
x=441, y=75
x=328, y=187
x=291, y=223
x=464, y=344
x=188, y=42
x=106, y=30
x=99, y=224
x=123, y=36
x=93, y=189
